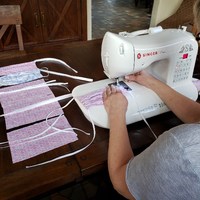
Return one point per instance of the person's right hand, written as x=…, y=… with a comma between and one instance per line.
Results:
x=114, y=101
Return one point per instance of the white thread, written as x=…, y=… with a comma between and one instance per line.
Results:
x=138, y=108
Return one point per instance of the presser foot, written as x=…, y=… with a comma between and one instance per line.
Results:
x=120, y=84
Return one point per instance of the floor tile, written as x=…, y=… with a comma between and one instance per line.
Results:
x=117, y=16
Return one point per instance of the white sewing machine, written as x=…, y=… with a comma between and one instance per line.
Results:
x=168, y=54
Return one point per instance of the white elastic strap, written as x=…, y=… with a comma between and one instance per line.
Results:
x=49, y=83
x=67, y=75
x=42, y=103
x=46, y=136
x=138, y=108
x=72, y=153
x=56, y=60
x=30, y=138
x=37, y=137
x=55, y=128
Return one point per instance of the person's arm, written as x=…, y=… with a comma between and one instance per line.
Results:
x=184, y=108
x=119, y=151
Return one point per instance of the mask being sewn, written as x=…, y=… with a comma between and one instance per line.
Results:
x=20, y=77
x=94, y=98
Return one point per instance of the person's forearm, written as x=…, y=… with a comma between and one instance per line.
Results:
x=119, y=152
x=184, y=108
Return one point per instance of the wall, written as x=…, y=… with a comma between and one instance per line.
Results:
x=162, y=9
x=89, y=19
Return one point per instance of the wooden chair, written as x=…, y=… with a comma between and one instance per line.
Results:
x=11, y=15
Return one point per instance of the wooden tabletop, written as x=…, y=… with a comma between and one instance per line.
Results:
x=18, y=182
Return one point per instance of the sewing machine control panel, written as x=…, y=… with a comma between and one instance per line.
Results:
x=182, y=69
x=183, y=65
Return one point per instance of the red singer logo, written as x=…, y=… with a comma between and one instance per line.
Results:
x=139, y=55
x=153, y=53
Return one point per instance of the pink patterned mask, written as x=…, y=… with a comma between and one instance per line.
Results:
x=94, y=98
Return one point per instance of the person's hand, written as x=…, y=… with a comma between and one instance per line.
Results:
x=142, y=78
x=114, y=101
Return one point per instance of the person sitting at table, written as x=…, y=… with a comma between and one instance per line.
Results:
x=170, y=167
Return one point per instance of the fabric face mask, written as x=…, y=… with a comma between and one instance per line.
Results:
x=20, y=77
x=95, y=98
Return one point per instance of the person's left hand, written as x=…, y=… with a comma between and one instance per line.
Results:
x=115, y=102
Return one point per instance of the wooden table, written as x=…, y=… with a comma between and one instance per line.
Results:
x=18, y=182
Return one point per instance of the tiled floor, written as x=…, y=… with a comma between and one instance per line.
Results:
x=118, y=15
x=114, y=16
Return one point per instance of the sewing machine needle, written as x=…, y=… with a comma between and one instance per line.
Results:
x=117, y=81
